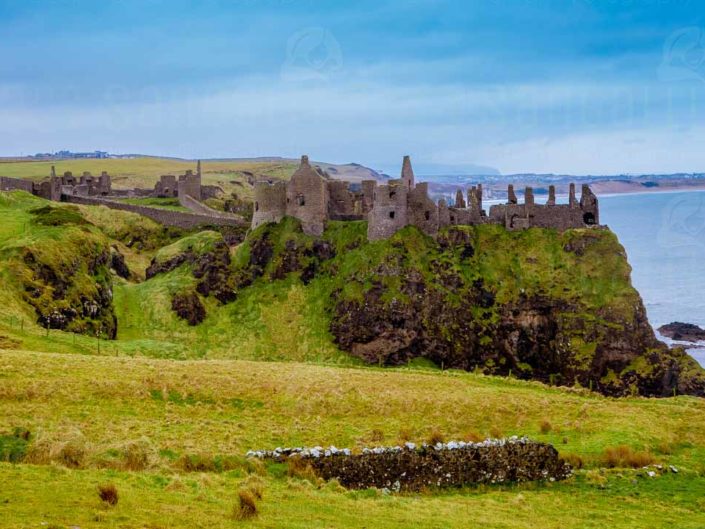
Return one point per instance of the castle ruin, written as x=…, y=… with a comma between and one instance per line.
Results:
x=313, y=198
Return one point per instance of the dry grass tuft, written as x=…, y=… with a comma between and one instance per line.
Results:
x=596, y=477
x=624, y=456
x=255, y=485
x=574, y=460
x=376, y=435
x=108, y=494
x=298, y=467
x=546, y=426
x=496, y=433
x=138, y=455
x=405, y=435
x=69, y=449
x=246, y=507
x=473, y=437
x=435, y=437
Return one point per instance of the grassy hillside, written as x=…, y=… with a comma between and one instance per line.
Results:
x=166, y=412
x=144, y=172
x=169, y=436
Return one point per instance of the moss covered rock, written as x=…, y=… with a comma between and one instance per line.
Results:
x=536, y=304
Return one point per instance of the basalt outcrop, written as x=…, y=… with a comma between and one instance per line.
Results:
x=683, y=332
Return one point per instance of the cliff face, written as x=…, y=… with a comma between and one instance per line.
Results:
x=65, y=273
x=536, y=304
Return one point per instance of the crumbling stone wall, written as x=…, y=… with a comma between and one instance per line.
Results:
x=550, y=215
x=270, y=203
x=343, y=204
x=166, y=187
x=455, y=464
x=421, y=210
x=16, y=184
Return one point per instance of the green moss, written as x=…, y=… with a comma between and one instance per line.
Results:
x=57, y=216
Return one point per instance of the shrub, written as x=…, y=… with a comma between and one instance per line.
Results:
x=546, y=426
x=624, y=456
x=108, y=493
x=246, y=507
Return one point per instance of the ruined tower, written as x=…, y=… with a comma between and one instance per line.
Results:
x=307, y=198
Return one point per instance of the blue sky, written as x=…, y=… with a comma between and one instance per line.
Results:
x=572, y=86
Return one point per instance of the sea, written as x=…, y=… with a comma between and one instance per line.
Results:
x=664, y=236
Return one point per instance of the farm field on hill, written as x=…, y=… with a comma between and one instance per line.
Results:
x=144, y=172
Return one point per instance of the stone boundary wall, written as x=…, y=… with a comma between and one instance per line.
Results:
x=13, y=184
x=454, y=464
x=167, y=217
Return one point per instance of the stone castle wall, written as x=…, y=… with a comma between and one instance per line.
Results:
x=270, y=203
x=314, y=199
x=15, y=184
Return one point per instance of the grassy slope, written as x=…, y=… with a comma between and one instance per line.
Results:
x=144, y=172
x=236, y=405
x=221, y=407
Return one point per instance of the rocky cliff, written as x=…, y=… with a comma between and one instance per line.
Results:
x=536, y=304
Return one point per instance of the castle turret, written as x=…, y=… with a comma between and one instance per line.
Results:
x=529, y=196
x=571, y=196
x=407, y=173
x=459, y=199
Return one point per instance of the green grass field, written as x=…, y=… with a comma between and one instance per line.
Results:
x=212, y=410
x=167, y=411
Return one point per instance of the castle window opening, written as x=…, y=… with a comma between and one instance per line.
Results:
x=391, y=214
x=300, y=200
x=392, y=193
x=589, y=219
x=427, y=215
x=256, y=206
